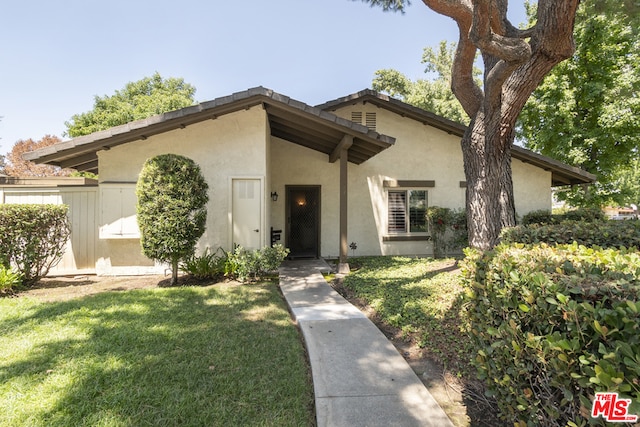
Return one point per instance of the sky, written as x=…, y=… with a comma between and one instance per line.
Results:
x=56, y=56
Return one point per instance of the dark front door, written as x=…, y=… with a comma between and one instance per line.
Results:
x=303, y=221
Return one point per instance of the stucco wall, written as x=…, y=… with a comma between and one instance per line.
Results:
x=531, y=187
x=233, y=145
x=293, y=164
x=421, y=152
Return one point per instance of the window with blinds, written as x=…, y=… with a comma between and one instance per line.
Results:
x=406, y=211
x=397, y=211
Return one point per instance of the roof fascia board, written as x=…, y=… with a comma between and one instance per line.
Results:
x=142, y=129
x=563, y=171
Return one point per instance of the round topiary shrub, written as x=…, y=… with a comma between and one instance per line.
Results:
x=172, y=197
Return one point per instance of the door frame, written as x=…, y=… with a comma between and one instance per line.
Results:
x=261, y=196
x=288, y=201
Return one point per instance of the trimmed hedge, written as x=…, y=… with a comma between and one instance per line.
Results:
x=546, y=217
x=32, y=238
x=552, y=326
x=606, y=234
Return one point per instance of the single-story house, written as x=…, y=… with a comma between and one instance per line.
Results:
x=359, y=169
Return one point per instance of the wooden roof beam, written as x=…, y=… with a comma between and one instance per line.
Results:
x=343, y=146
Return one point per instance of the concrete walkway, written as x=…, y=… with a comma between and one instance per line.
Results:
x=359, y=378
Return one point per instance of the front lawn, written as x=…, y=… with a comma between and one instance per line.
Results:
x=420, y=296
x=220, y=355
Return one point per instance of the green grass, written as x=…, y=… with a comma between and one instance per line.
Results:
x=420, y=296
x=224, y=355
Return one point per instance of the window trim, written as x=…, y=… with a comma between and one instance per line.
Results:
x=393, y=186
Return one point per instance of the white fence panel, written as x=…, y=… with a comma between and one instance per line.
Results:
x=81, y=253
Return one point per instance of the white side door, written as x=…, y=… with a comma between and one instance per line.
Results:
x=246, y=213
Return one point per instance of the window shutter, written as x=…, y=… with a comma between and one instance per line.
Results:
x=397, y=211
x=118, y=212
x=356, y=117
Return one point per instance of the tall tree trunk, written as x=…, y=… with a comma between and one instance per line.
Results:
x=515, y=63
x=487, y=165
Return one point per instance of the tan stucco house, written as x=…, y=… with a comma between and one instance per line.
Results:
x=357, y=169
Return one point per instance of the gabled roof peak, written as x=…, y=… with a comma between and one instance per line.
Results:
x=289, y=119
x=399, y=107
x=562, y=174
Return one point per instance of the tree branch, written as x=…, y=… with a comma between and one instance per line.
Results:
x=462, y=84
x=551, y=43
x=509, y=49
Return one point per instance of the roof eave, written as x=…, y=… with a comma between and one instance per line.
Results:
x=562, y=174
x=81, y=152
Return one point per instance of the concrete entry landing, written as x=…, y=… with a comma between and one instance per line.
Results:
x=359, y=377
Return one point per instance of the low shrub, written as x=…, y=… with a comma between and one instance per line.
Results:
x=552, y=326
x=448, y=229
x=9, y=280
x=209, y=265
x=583, y=214
x=250, y=264
x=546, y=217
x=32, y=238
x=605, y=234
x=541, y=216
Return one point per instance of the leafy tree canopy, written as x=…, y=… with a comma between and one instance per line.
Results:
x=137, y=100
x=19, y=167
x=587, y=111
x=432, y=94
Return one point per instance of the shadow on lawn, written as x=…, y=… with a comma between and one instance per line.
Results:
x=401, y=291
x=187, y=356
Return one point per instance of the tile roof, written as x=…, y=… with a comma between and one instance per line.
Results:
x=562, y=174
x=289, y=119
x=314, y=127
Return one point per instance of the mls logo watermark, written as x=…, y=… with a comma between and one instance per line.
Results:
x=612, y=408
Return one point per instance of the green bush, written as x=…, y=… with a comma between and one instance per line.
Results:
x=250, y=264
x=605, y=234
x=209, y=265
x=172, y=197
x=552, y=326
x=583, y=214
x=9, y=279
x=546, y=217
x=541, y=216
x=32, y=238
x=448, y=229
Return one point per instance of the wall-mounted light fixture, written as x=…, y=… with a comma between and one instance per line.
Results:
x=274, y=196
